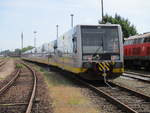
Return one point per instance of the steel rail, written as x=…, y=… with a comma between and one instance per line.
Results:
x=146, y=97
x=4, y=88
x=139, y=74
x=147, y=79
x=108, y=97
x=2, y=63
x=30, y=104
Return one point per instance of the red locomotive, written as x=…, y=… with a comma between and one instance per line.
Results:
x=137, y=51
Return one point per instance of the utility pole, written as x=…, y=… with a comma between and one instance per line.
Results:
x=57, y=26
x=21, y=43
x=102, y=6
x=22, y=40
x=35, y=40
x=71, y=20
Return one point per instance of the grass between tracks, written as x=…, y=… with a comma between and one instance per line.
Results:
x=67, y=98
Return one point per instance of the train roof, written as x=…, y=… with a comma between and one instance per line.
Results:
x=138, y=36
x=107, y=24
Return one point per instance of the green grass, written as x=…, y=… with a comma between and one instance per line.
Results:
x=19, y=66
x=54, y=78
x=66, y=96
x=74, y=101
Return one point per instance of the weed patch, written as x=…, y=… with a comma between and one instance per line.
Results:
x=19, y=66
x=67, y=97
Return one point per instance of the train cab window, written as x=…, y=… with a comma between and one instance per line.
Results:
x=147, y=39
x=125, y=42
x=141, y=40
x=74, y=40
x=136, y=41
x=130, y=42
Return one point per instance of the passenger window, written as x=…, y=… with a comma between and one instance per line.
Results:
x=142, y=39
x=146, y=39
x=128, y=42
x=125, y=43
x=136, y=41
x=74, y=40
x=139, y=40
x=131, y=42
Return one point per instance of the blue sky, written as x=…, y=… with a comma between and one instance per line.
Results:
x=18, y=16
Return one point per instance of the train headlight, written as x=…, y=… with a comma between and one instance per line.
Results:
x=115, y=57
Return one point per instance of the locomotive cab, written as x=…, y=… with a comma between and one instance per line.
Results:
x=102, y=51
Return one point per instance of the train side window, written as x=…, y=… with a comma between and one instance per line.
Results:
x=146, y=39
x=139, y=40
x=74, y=40
x=134, y=41
x=128, y=42
x=142, y=40
x=131, y=41
x=125, y=42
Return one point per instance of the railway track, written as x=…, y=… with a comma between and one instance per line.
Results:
x=125, y=99
x=19, y=93
x=137, y=76
x=2, y=63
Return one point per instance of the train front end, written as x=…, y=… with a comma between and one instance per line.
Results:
x=102, y=51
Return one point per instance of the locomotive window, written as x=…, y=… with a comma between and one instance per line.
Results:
x=147, y=39
x=131, y=42
x=126, y=42
x=96, y=37
x=104, y=39
x=140, y=40
x=134, y=41
x=74, y=40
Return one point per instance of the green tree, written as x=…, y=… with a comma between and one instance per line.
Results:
x=127, y=28
x=17, y=51
x=27, y=48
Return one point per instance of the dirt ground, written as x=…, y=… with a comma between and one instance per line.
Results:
x=7, y=69
x=65, y=96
